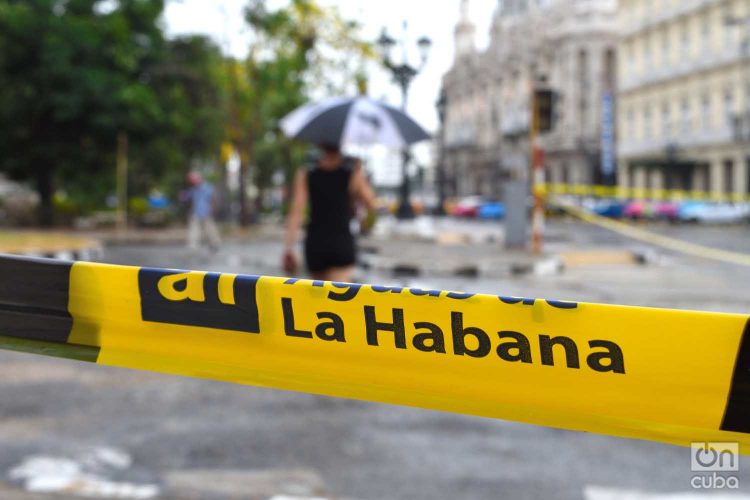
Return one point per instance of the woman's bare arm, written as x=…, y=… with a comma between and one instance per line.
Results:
x=296, y=209
x=361, y=188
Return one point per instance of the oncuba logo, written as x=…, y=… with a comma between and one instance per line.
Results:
x=210, y=300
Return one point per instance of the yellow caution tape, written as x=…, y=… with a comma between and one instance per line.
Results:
x=657, y=239
x=663, y=375
x=625, y=193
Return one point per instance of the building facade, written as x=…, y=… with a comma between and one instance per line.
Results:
x=566, y=45
x=684, y=95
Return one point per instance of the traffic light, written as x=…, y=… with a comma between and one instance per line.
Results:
x=544, y=110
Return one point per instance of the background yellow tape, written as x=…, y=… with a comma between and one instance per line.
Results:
x=625, y=193
x=657, y=239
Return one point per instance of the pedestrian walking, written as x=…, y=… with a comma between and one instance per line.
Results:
x=331, y=187
x=202, y=198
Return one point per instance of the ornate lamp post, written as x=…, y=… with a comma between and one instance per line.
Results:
x=403, y=74
x=441, y=105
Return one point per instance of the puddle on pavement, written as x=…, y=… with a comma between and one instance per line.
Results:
x=90, y=474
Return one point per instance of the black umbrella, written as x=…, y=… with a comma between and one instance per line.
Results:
x=356, y=120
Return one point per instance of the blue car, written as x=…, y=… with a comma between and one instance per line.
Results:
x=610, y=208
x=491, y=210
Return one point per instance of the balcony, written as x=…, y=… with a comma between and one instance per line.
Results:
x=515, y=123
x=686, y=66
x=657, y=145
x=633, y=24
x=460, y=136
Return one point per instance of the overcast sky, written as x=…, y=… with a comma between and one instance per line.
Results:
x=222, y=20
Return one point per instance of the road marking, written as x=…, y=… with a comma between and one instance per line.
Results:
x=84, y=476
x=602, y=493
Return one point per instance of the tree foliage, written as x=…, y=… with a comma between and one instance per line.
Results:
x=76, y=73
x=299, y=51
x=73, y=75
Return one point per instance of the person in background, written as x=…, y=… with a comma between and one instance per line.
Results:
x=331, y=187
x=202, y=198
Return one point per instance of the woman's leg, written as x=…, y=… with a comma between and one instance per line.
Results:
x=338, y=274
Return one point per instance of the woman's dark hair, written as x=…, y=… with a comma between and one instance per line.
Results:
x=330, y=147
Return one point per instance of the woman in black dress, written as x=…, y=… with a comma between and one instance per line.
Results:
x=331, y=187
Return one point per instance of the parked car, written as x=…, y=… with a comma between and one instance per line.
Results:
x=666, y=210
x=637, y=210
x=467, y=207
x=713, y=213
x=491, y=210
x=606, y=208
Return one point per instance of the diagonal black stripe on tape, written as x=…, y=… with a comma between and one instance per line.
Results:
x=34, y=298
x=737, y=413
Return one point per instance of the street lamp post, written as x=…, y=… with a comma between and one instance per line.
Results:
x=441, y=105
x=403, y=74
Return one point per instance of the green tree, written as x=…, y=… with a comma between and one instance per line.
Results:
x=188, y=84
x=76, y=73
x=69, y=78
x=298, y=51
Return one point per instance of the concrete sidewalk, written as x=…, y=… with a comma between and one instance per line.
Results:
x=470, y=248
x=425, y=246
x=422, y=247
x=72, y=244
x=176, y=235
x=53, y=244
x=421, y=258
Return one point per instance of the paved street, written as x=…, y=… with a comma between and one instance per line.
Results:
x=199, y=439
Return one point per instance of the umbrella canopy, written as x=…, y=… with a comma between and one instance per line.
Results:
x=352, y=121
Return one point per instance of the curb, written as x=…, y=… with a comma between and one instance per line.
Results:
x=547, y=266
x=92, y=252
x=87, y=254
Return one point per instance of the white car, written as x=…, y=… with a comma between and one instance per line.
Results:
x=713, y=213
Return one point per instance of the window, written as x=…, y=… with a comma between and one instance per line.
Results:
x=610, y=70
x=728, y=106
x=631, y=125
x=685, y=115
x=686, y=40
x=647, y=125
x=706, y=33
x=706, y=111
x=728, y=28
x=666, y=125
x=583, y=104
x=665, y=48
x=583, y=69
x=647, y=59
